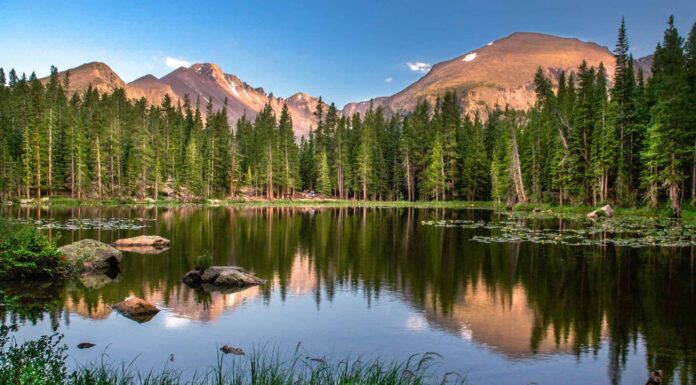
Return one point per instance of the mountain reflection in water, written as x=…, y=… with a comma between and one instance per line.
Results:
x=380, y=280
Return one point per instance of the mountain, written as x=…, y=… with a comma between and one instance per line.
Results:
x=501, y=72
x=200, y=82
x=150, y=88
x=207, y=80
x=645, y=64
x=98, y=74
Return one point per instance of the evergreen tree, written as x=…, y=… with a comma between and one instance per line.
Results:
x=670, y=132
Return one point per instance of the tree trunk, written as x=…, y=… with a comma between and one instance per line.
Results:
x=50, y=151
x=517, y=169
x=269, y=193
x=99, y=170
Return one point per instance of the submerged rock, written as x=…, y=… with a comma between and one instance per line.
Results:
x=143, y=240
x=227, y=349
x=91, y=255
x=136, y=309
x=605, y=211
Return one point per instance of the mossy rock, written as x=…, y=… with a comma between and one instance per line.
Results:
x=90, y=255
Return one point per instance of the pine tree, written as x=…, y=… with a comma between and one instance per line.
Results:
x=435, y=178
x=324, y=178
x=670, y=132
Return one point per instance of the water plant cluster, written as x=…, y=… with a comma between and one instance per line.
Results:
x=90, y=223
x=573, y=230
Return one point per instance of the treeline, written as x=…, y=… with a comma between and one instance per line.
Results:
x=631, y=141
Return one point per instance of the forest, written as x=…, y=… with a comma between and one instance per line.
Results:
x=629, y=141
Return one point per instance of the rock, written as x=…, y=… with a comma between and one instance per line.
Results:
x=143, y=240
x=221, y=278
x=214, y=202
x=149, y=200
x=236, y=278
x=211, y=273
x=26, y=202
x=605, y=211
x=192, y=278
x=91, y=255
x=227, y=349
x=136, y=309
x=608, y=211
x=85, y=345
x=537, y=210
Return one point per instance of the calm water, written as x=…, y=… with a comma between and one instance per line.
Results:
x=378, y=282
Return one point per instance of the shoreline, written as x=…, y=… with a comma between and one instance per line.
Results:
x=687, y=214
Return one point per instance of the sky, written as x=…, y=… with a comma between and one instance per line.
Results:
x=343, y=51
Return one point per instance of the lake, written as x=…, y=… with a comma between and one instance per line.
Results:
x=384, y=283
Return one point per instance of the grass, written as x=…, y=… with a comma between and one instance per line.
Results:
x=42, y=361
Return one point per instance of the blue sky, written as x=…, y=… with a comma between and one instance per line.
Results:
x=344, y=51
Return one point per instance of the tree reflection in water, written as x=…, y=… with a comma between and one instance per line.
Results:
x=521, y=299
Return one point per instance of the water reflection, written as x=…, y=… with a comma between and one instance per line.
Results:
x=523, y=301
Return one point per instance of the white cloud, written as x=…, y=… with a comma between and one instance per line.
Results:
x=419, y=66
x=389, y=79
x=175, y=63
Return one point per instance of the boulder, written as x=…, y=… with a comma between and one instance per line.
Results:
x=220, y=278
x=236, y=278
x=136, y=309
x=91, y=255
x=210, y=274
x=192, y=278
x=143, y=240
x=604, y=211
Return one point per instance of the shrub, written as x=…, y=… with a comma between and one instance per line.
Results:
x=25, y=252
x=37, y=362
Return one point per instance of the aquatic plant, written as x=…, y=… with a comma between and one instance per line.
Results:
x=43, y=361
x=574, y=230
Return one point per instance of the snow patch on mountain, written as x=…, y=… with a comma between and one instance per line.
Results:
x=470, y=57
x=233, y=87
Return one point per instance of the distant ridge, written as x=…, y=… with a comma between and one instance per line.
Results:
x=499, y=73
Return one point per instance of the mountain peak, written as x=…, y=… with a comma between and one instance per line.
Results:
x=497, y=73
x=145, y=79
x=97, y=74
x=209, y=69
